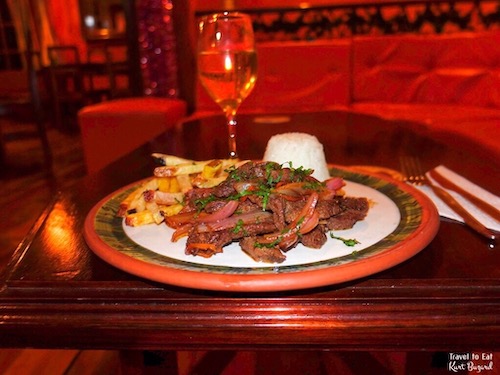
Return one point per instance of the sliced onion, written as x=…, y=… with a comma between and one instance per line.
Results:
x=178, y=220
x=305, y=219
x=307, y=211
x=223, y=213
x=286, y=239
x=248, y=218
x=181, y=231
x=295, y=188
x=335, y=183
x=327, y=194
x=290, y=197
x=310, y=224
x=241, y=187
x=205, y=250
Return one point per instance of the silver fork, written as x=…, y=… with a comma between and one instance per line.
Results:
x=414, y=174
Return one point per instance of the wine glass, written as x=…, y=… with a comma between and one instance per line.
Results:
x=227, y=63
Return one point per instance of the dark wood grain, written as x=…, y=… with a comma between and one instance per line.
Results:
x=57, y=293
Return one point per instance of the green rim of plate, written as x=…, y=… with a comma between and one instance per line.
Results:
x=109, y=229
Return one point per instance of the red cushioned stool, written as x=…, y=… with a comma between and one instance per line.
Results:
x=113, y=128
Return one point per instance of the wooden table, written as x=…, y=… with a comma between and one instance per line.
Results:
x=57, y=294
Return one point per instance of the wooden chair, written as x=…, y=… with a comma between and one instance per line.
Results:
x=21, y=96
x=99, y=85
x=68, y=92
x=108, y=71
x=118, y=70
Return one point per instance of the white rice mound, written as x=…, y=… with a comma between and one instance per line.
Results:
x=300, y=149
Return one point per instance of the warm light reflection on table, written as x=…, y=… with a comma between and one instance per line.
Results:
x=59, y=236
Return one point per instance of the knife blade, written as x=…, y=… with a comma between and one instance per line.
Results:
x=447, y=184
x=469, y=220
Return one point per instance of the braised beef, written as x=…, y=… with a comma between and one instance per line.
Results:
x=196, y=243
x=277, y=207
x=261, y=254
x=253, y=229
x=214, y=206
x=352, y=211
x=315, y=239
x=254, y=188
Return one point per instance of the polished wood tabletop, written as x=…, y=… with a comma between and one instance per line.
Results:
x=57, y=293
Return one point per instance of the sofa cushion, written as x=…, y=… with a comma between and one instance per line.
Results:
x=462, y=69
x=295, y=76
x=113, y=128
x=481, y=125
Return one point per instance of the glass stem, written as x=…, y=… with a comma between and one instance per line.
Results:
x=231, y=128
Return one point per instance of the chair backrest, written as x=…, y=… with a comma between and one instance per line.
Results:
x=13, y=82
x=107, y=53
x=115, y=68
x=63, y=55
x=22, y=85
x=97, y=54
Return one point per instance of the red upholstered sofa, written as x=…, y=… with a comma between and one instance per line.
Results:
x=113, y=128
x=448, y=82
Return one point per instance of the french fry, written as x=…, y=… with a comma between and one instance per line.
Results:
x=138, y=202
x=155, y=210
x=163, y=195
x=135, y=200
x=180, y=169
x=167, y=199
x=165, y=159
x=164, y=184
x=174, y=186
x=211, y=169
x=184, y=183
x=171, y=210
x=139, y=218
x=201, y=182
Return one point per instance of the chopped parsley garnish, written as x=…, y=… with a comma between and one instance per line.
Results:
x=240, y=227
x=269, y=245
x=347, y=242
x=273, y=176
x=201, y=203
x=233, y=173
x=313, y=185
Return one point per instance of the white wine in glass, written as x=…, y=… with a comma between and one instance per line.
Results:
x=227, y=63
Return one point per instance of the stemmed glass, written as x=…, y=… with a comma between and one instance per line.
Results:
x=227, y=63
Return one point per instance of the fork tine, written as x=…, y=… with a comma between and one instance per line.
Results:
x=419, y=173
x=406, y=168
x=412, y=169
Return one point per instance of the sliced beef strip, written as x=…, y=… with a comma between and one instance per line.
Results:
x=353, y=210
x=328, y=208
x=253, y=229
x=277, y=207
x=315, y=239
x=194, y=195
x=219, y=239
x=261, y=254
x=247, y=206
x=224, y=189
x=214, y=206
x=325, y=208
x=292, y=209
